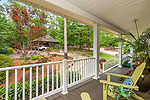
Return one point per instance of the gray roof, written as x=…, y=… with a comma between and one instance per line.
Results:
x=46, y=39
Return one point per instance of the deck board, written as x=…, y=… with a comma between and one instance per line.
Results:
x=93, y=87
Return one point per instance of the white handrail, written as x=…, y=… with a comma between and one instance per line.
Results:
x=26, y=66
x=111, y=66
x=80, y=70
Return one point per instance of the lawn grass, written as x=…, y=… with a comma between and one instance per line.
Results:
x=101, y=55
x=33, y=58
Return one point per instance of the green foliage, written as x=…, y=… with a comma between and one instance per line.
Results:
x=50, y=49
x=141, y=45
x=43, y=59
x=5, y=61
x=126, y=48
x=7, y=32
x=35, y=57
x=3, y=51
x=72, y=49
x=7, y=51
x=10, y=50
x=77, y=34
x=101, y=55
x=120, y=92
x=27, y=88
x=25, y=63
x=7, y=29
x=106, y=39
x=58, y=46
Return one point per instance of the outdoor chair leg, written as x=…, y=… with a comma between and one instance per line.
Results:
x=105, y=91
x=137, y=97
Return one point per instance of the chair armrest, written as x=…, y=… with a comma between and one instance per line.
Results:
x=118, y=84
x=117, y=75
x=85, y=96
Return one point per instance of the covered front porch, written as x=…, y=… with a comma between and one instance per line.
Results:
x=67, y=79
x=94, y=88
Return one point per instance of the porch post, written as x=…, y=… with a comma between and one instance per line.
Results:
x=131, y=50
x=120, y=50
x=65, y=39
x=65, y=79
x=96, y=50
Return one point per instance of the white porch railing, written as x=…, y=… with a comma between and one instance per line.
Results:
x=112, y=63
x=49, y=78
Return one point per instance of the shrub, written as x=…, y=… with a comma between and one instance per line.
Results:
x=43, y=59
x=49, y=60
x=72, y=48
x=5, y=61
x=58, y=46
x=10, y=50
x=51, y=49
x=27, y=88
x=7, y=51
x=3, y=51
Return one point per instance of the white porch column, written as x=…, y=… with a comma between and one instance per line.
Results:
x=96, y=49
x=131, y=50
x=65, y=39
x=120, y=50
x=65, y=79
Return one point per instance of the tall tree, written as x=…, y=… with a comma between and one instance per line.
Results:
x=7, y=30
x=30, y=23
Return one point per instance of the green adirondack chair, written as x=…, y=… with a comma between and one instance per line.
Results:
x=135, y=77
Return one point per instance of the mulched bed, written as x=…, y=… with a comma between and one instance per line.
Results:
x=51, y=58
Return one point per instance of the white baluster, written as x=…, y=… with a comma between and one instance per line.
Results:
x=76, y=66
x=43, y=79
x=74, y=71
x=71, y=73
x=15, y=84
x=30, y=82
x=56, y=76
x=79, y=69
x=37, y=81
x=61, y=75
x=7, y=78
x=23, y=95
x=47, y=78
x=52, y=77
x=82, y=69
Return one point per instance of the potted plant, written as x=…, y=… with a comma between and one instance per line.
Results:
x=141, y=50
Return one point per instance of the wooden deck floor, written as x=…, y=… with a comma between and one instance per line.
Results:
x=93, y=87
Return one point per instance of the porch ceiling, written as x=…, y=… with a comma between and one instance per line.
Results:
x=114, y=16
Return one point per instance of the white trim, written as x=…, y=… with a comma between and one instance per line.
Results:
x=111, y=68
x=48, y=94
x=80, y=81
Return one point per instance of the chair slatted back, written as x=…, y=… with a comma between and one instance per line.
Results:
x=137, y=73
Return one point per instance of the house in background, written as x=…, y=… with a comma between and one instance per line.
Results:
x=46, y=40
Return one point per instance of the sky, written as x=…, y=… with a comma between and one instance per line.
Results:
x=3, y=1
